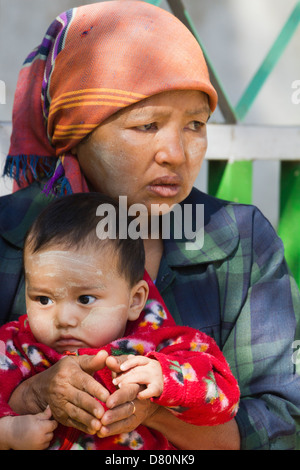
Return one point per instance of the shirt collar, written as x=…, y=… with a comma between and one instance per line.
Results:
x=220, y=234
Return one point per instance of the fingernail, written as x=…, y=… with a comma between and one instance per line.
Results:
x=96, y=425
x=98, y=413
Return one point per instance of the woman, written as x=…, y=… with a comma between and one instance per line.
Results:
x=125, y=100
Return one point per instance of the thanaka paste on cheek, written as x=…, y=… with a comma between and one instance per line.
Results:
x=42, y=327
x=105, y=324
x=102, y=314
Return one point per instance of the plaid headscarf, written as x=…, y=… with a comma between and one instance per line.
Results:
x=93, y=61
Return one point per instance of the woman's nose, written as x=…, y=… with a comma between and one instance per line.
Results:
x=171, y=149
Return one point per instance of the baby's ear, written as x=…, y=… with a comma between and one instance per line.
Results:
x=139, y=295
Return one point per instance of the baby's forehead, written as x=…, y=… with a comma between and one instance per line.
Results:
x=86, y=257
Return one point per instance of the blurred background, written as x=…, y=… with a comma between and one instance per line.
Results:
x=253, y=48
x=237, y=35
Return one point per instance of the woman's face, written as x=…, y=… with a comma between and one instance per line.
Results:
x=150, y=152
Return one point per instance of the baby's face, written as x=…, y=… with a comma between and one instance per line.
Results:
x=76, y=298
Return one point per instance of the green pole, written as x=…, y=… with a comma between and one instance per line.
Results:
x=268, y=64
x=231, y=180
x=289, y=225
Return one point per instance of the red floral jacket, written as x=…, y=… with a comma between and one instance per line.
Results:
x=199, y=387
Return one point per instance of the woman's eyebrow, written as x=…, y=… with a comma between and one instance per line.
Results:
x=198, y=111
x=145, y=113
x=153, y=113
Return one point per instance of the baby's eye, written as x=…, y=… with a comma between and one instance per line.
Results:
x=44, y=300
x=86, y=299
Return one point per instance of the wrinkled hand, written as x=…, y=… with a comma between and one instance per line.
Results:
x=70, y=390
x=125, y=411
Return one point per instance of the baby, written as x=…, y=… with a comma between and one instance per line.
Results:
x=84, y=294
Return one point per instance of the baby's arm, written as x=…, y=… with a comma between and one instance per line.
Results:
x=143, y=371
x=198, y=385
x=27, y=432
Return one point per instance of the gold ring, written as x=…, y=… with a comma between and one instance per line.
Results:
x=133, y=407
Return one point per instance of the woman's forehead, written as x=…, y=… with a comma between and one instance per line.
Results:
x=190, y=102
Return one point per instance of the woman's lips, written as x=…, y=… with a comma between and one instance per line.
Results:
x=166, y=186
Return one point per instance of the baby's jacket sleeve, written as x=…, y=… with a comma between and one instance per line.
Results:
x=199, y=386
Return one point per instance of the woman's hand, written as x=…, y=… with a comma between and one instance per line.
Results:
x=70, y=390
x=125, y=411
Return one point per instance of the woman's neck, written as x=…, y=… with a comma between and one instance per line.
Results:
x=153, y=251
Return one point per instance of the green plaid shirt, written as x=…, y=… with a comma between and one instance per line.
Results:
x=236, y=288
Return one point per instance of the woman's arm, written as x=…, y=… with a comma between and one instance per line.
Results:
x=186, y=436
x=70, y=391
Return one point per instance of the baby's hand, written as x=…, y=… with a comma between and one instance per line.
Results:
x=144, y=371
x=32, y=432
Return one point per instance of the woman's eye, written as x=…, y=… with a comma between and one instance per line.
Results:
x=86, y=299
x=147, y=127
x=195, y=125
x=43, y=300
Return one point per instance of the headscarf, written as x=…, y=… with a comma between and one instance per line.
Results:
x=93, y=61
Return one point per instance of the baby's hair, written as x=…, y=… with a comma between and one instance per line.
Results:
x=71, y=221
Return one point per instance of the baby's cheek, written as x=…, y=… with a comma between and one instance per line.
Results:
x=41, y=327
x=104, y=324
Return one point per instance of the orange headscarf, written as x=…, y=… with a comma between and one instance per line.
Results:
x=93, y=61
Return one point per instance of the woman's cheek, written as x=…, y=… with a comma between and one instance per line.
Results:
x=197, y=150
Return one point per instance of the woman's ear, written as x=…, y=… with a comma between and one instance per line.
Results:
x=74, y=151
x=139, y=295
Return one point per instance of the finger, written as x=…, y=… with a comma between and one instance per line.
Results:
x=134, y=361
x=119, y=420
x=137, y=375
x=52, y=425
x=84, y=408
x=126, y=394
x=48, y=437
x=119, y=413
x=150, y=392
x=87, y=389
x=114, y=362
x=46, y=414
x=81, y=420
x=92, y=364
x=80, y=407
x=48, y=426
